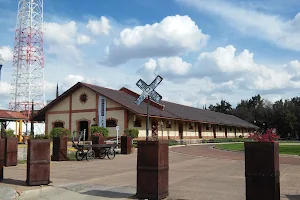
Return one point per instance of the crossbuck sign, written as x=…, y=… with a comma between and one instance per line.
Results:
x=148, y=90
x=149, y=93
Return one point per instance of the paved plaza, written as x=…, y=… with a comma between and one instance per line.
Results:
x=196, y=172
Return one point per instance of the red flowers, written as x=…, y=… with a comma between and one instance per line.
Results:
x=269, y=136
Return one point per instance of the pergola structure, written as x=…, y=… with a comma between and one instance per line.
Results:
x=11, y=116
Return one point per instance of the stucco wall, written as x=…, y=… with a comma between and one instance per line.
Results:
x=119, y=116
x=91, y=102
x=58, y=117
x=112, y=104
x=82, y=116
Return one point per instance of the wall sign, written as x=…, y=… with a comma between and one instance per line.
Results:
x=102, y=111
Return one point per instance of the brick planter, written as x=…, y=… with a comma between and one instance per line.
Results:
x=126, y=142
x=11, y=151
x=152, y=169
x=97, y=140
x=38, y=162
x=2, y=157
x=262, y=170
x=60, y=149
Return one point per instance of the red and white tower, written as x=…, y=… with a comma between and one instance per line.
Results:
x=27, y=84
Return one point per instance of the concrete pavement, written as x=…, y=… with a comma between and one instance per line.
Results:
x=192, y=175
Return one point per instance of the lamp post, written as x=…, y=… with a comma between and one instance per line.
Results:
x=1, y=64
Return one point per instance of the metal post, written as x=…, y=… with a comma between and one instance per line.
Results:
x=117, y=138
x=147, y=123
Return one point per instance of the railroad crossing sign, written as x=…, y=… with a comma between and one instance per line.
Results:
x=149, y=93
x=148, y=90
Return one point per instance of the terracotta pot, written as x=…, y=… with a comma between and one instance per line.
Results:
x=99, y=139
x=60, y=149
x=38, y=162
x=11, y=151
x=262, y=170
x=152, y=169
x=126, y=145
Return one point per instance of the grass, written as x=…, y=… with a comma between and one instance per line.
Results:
x=283, y=148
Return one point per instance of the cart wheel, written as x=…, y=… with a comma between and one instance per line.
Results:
x=111, y=154
x=79, y=155
x=102, y=153
x=90, y=155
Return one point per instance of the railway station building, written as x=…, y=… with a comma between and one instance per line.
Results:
x=85, y=105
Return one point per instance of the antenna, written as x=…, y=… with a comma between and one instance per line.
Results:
x=27, y=86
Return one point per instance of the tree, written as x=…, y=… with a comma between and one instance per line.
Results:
x=223, y=107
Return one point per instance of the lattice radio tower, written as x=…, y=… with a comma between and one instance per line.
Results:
x=27, y=84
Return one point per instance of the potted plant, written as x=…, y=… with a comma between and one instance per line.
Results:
x=126, y=140
x=60, y=143
x=38, y=160
x=98, y=134
x=11, y=149
x=262, y=165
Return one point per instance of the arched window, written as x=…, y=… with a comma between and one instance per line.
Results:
x=58, y=125
x=111, y=122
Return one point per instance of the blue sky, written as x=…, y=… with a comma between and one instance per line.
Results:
x=205, y=50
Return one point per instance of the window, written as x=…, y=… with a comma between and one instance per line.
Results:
x=138, y=123
x=169, y=125
x=83, y=98
x=58, y=124
x=207, y=127
x=190, y=126
x=220, y=128
x=111, y=123
x=230, y=129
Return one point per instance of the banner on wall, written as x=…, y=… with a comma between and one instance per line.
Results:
x=102, y=111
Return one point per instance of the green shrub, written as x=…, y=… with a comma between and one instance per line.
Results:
x=131, y=132
x=60, y=132
x=38, y=137
x=10, y=133
x=240, y=136
x=173, y=142
x=99, y=129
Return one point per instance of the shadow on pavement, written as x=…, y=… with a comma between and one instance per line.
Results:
x=109, y=194
x=293, y=197
x=14, y=182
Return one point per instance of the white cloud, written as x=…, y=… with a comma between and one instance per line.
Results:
x=272, y=28
x=167, y=67
x=72, y=79
x=7, y=53
x=83, y=39
x=170, y=37
x=60, y=33
x=224, y=65
x=293, y=67
x=99, y=26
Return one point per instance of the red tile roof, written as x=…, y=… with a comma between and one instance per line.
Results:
x=165, y=109
x=11, y=115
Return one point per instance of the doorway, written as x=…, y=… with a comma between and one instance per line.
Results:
x=84, y=125
x=214, y=131
x=200, y=130
x=180, y=129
